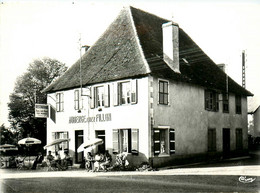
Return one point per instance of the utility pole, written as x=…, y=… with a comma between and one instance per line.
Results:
x=243, y=70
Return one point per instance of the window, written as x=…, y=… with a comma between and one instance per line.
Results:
x=164, y=141
x=59, y=102
x=212, y=140
x=125, y=140
x=125, y=92
x=100, y=96
x=239, y=139
x=238, y=104
x=77, y=100
x=211, y=100
x=225, y=103
x=163, y=92
x=60, y=135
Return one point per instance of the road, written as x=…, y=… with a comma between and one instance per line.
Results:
x=143, y=183
x=238, y=175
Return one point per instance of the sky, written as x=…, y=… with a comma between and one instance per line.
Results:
x=36, y=29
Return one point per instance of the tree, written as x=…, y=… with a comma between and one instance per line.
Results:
x=7, y=136
x=27, y=92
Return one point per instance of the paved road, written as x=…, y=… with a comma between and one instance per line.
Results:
x=143, y=183
x=239, y=175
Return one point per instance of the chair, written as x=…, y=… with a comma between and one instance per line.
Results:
x=50, y=166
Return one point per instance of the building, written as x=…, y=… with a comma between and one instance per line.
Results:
x=145, y=87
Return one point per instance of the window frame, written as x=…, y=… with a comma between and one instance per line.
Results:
x=76, y=99
x=211, y=98
x=60, y=102
x=169, y=147
x=162, y=94
x=123, y=140
x=225, y=100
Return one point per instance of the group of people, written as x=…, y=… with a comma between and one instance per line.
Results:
x=99, y=162
x=57, y=162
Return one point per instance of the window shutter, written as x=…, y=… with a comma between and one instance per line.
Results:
x=80, y=99
x=135, y=140
x=52, y=113
x=172, y=141
x=115, y=141
x=62, y=102
x=217, y=103
x=107, y=95
x=115, y=93
x=157, y=144
x=134, y=91
x=57, y=102
x=93, y=97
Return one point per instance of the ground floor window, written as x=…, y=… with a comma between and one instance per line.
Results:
x=125, y=140
x=212, y=139
x=239, y=139
x=164, y=141
x=61, y=135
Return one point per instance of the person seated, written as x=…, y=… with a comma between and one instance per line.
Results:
x=57, y=161
x=106, y=162
x=50, y=157
x=38, y=160
x=66, y=161
x=98, y=159
x=89, y=162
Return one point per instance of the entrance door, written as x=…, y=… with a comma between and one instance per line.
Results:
x=226, y=142
x=78, y=142
x=101, y=135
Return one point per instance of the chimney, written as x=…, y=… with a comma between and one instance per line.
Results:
x=222, y=67
x=171, y=45
x=86, y=48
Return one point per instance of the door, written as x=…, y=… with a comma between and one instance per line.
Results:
x=101, y=135
x=226, y=142
x=78, y=142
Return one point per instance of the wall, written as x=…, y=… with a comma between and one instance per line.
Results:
x=187, y=115
x=257, y=123
x=128, y=116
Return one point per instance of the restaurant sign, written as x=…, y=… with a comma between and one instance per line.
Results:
x=41, y=110
x=85, y=119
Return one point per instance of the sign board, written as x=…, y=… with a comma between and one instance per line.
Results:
x=41, y=110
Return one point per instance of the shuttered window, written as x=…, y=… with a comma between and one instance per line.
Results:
x=126, y=140
x=211, y=139
x=225, y=103
x=59, y=102
x=163, y=141
x=125, y=93
x=100, y=96
x=211, y=100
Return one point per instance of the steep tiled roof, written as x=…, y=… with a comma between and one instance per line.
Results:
x=132, y=47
